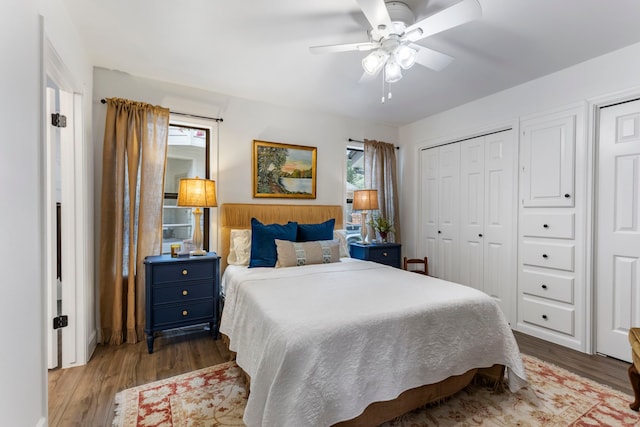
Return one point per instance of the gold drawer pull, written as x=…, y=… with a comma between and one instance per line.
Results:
x=185, y=312
x=384, y=254
x=185, y=292
x=185, y=272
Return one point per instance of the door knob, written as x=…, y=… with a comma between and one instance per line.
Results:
x=545, y=225
x=544, y=286
x=480, y=235
x=566, y=196
x=544, y=256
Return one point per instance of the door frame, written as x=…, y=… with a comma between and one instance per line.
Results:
x=591, y=238
x=78, y=340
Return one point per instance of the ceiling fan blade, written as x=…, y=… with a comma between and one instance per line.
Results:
x=431, y=58
x=458, y=14
x=362, y=47
x=376, y=13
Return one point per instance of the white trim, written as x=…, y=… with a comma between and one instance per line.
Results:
x=77, y=261
x=214, y=160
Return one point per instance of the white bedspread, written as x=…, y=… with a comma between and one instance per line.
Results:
x=322, y=342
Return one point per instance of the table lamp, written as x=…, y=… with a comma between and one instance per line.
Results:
x=365, y=200
x=197, y=193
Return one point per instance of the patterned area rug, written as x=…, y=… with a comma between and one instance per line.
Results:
x=216, y=396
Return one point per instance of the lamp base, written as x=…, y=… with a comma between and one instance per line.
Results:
x=198, y=252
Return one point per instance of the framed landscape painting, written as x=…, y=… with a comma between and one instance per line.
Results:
x=284, y=170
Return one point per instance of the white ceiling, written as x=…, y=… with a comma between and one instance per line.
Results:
x=258, y=49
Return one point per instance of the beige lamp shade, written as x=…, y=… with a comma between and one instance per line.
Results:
x=197, y=193
x=365, y=200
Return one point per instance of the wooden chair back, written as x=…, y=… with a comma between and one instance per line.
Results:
x=416, y=265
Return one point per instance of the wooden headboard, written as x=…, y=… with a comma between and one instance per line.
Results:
x=238, y=216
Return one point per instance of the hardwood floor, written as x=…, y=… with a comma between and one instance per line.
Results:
x=84, y=396
x=605, y=370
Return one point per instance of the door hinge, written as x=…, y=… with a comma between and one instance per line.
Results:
x=60, y=321
x=58, y=120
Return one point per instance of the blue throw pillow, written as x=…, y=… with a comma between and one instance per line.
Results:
x=263, y=245
x=313, y=232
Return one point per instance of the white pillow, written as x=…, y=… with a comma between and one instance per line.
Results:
x=239, y=247
x=341, y=236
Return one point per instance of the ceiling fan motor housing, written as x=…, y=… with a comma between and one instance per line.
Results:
x=400, y=12
x=401, y=17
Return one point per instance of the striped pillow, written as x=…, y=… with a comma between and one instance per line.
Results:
x=291, y=254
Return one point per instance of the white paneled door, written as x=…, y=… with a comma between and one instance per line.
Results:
x=618, y=229
x=429, y=208
x=448, y=211
x=440, y=180
x=487, y=217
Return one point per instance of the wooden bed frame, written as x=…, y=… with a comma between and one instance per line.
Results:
x=238, y=216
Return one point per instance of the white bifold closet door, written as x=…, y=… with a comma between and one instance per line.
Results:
x=468, y=211
x=618, y=229
x=486, y=259
x=440, y=209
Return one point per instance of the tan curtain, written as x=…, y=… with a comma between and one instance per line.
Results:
x=134, y=158
x=380, y=174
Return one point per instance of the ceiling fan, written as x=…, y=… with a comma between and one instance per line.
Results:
x=392, y=35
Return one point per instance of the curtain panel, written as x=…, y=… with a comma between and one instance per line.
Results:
x=134, y=159
x=380, y=174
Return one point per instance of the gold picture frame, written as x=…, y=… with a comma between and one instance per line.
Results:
x=284, y=170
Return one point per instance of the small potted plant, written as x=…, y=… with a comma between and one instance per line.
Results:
x=382, y=225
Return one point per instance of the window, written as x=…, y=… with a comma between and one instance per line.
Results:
x=355, y=181
x=187, y=157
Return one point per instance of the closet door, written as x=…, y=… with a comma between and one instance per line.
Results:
x=548, y=161
x=472, y=202
x=429, y=208
x=448, y=259
x=486, y=223
x=499, y=279
x=440, y=179
x=618, y=229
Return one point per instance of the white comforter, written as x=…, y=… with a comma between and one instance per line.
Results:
x=322, y=342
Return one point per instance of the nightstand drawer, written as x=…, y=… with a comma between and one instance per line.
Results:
x=183, y=271
x=182, y=292
x=387, y=256
x=175, y=313
x=382, y=253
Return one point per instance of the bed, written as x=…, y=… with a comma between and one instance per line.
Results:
x=353, y=343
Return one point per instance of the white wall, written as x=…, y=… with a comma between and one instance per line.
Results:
x=22, y=364
x=244, y=121
x=613, y=72
x=23, y=389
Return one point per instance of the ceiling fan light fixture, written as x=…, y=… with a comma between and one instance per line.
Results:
x=405, y=56
x=373, y=62
x=414, y=35
x=392, y=71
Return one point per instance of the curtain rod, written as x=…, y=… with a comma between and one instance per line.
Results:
x=357, y=140
x=217, y=119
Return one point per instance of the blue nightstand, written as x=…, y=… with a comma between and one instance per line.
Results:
x=383, y=253
x=181, y=292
